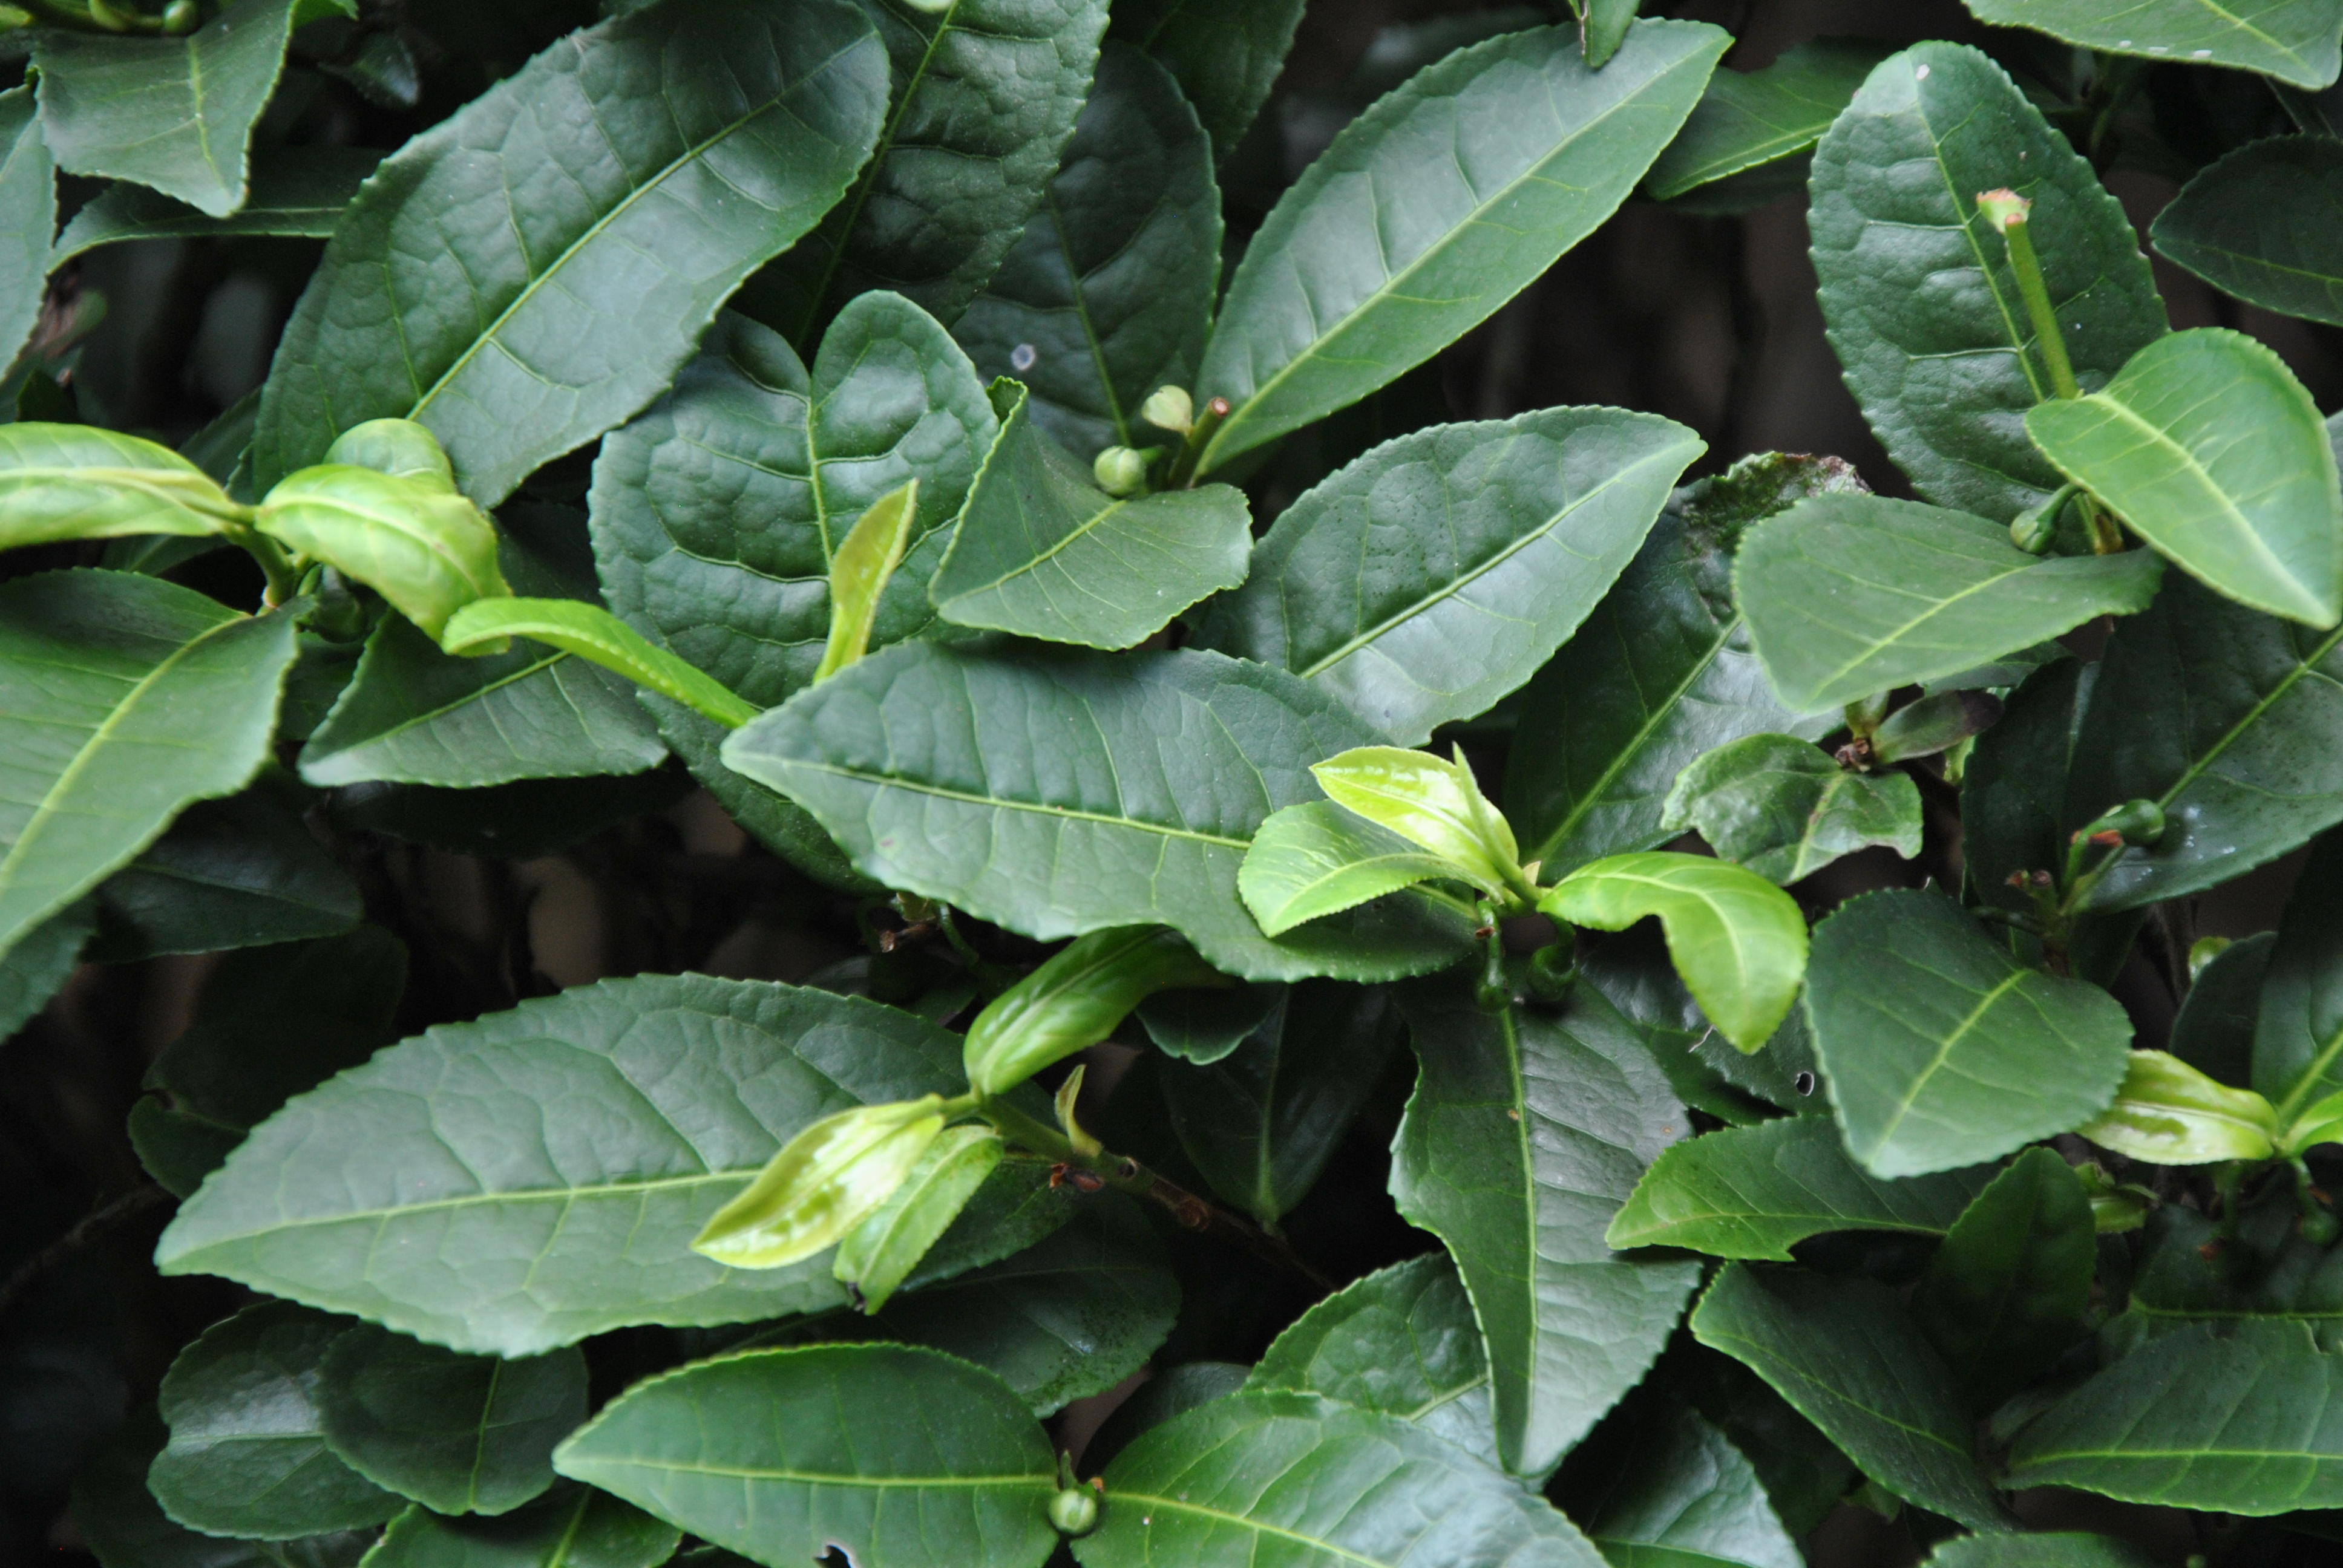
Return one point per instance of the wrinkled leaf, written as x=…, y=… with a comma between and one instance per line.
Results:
x=1784, y=809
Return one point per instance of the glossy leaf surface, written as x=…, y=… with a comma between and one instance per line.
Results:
x=1659, y=1487
x=1320, y=859
x=1224, y=53
x=2294, y=40
x=1073, y=1001
x=593, y=633
x=823, y=1183
x=2258, y=225
x=880, y=1252
x=1749, y=120
x=2006, y=1293
x=427, y=550
x=1435, y=804
x=1784, y=809
x=75, y=482
x=2167, y=1112
x=296, y=192
x=460, y=1433
x=28, y=215
x=571, y=1526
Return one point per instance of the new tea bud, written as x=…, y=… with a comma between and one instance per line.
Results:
x=180, y=16
x=2139, y=823
x=2033, y=530
x=1074, y=1511
x=1169, y=408
x=1120, y=471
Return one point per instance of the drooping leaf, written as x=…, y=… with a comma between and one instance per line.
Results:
x=40, y=963
x=1403, y=1341
x=2288, y=39
x=124, y=1527
x=230, y=873
x=1660, y=673
x=248, y=1455
x=593, y=633
x=1756, y=1192
x=679, y=1088
x=2259, y=224
x=1278, y=1476
x=1320, y=859
x=570, y=1526
x=2298, y=1038
x=517, y=326
x=78, y=482
x=1851, y=595
x=1847, y=1355
x=1073, y=1001
x=1916, y=289
x=1041, y=551
x=1426, y=579
x=296, y=192
x=2005, y=1294
x=2249, y=1419
x=28, y=216
x=459, y=1433
x=1941, y=1050
x=2167, y=1112
x=1095, y=818
x=174, y=114
x=1262, y=1121
x=1658, y=1487
x=1433, y=209
x=122, y=699
x=1109, y=292
x=1746, y=120
x=1784, y=809
x=1224, y=53
x=718, y=512
x=2207, y=444
x=985, y=93
x=894, y=1455
x=1524, y=1135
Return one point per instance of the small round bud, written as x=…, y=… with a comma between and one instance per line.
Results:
x=2136, y=822
x=2032, y=530
x=1074, y=1511
x=180, y=16
x=1169, y=408
x=1120, y=471
x=2320, y=1228
x=1552, y=972
x=2003, y=209
x=1492, y=995
x=13, y=17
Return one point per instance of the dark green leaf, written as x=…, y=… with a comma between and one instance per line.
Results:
x=1658, y=1487
x=28, y=216
x=724, y=132
x=1754, y=1192
x=1846, y=1354
x=2265, y=1271
x=176, y=114
x=122, y=699
x=1041, y=551
x=2005, y=1294
x=1262, y=1121
x=716, y=512
x=1166, y=1394
x=1781, y=807
x=1108, y=293
x=2297, y=1050
x=248, y=1454
x=2249, y=1419
x=1804, y=1473
x=517, y=821
x=1633, y=972
x=576, y=1143
x=894, y=1455
x=1203, y=1024
x=1056, y=802
x=178, y=1148
x=773, y=820
x=229, y=873
x=1289, y=1477
x=571, y=1526
x=2261, y=225
x=1749, y=120
x=1851, y=595
x=1224, y=53
x=126, y=1528
x=2293, y=40
x=2214, y=1032
x=1524, y=1135
x=1917, y=287
x=2052, y=1550
x=1425, y=580
x=1403, y=1341
x=39, y=966
x=1433, y=209
x=299, y=192
x=985, y=93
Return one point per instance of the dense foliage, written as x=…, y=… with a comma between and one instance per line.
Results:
x=872, y=413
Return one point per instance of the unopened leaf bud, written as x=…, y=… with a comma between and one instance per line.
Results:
x=1074, y=1511
x=1120, y=471
x=2139, y=823
x=180, y=16
x=1170, y=409
x=13, y=17
x=2033, y=530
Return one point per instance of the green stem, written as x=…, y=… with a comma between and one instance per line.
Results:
x=1182, y=474
x=2031, y=287
x=284, y=576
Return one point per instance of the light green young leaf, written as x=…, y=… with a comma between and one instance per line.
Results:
x=296, y=192
x=1320, y=859
x=2259, y=224
x=1429, y=578
x=1435, y=805
x=1747, y=119
x=1073, y=1001
x=1941, y=1050
x=2207, y=444
x=426, y=549
x=726, y=131
x=1526, y=1133
x=1739, y=941
x=824, y=1182
x=1756, y=1191
x=2294, y=40
x=122, y=699
x=1389, y=247
x=860, y=570
x=593, y=632
x=571, y=1526
x=1041, y=551
x=1851, y=595
x=1224, y=53
x=1784, y=809
x=28, y=216
x=1658, y=1487
x=776, y=1453
x=880, y=1254
x=2004, y=1295
x=63, y=482
x=2169, y=1113
x=176, y=114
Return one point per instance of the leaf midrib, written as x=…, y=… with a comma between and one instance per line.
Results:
x=472, y=1200
x=1071, y=813
x=1944, y=1053
x=1316, y=1543
x=818, y=1478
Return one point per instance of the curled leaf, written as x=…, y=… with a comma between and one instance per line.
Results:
x=1074, y=1000
x=1435, y=804
x=593, y=633
x=869, y=556
x=823, y=1183
x=2169, y=1113
x=412, y=539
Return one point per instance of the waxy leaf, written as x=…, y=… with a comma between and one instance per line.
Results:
x=1073, y=1001
x=1256, y=1478
x=522, y=1181
x=1436, y=805
x=229, y=873
x=1426, y=579
x=1224, y=53
x=1071, y=793
x=519, y=326
x=1041, y=551
x=1320, y=859
x=1434, y=208
x=2207, y=444
x=1739, y=941
x=2260, y=225
x=1784, y=809
x=783, y=1453
x=175, y=114
x=1749, y=120
x=78, y=482
x=594, y=633
x=28, y=216
x=880, y=1254
x=571, y=1526
x=125, y=1526
x=1916, y=289
x=248, y=1455
x=2288, y=39
x=421, y=545
x=2005, y=1294
x=458, y=1433
x=2167, y=1112
x=1524, y=1135
x=1851, y=595
x=2297, y=1032
x=1109, y=292
x=1403, y=1341
x=297, y=192
x=1756, y=1191
x=1658, y=1486
x=1847, y=1355
x=122, y=699
x=40, y=963
x=2248, y=1419
x=1942, y=1050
